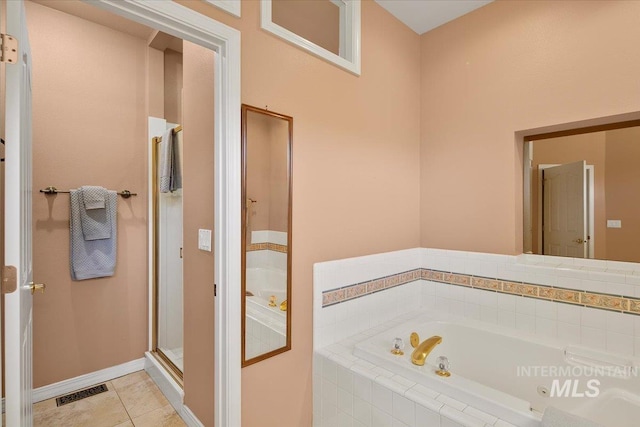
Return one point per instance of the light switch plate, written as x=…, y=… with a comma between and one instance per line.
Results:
x=614, y=223
x=204, y=240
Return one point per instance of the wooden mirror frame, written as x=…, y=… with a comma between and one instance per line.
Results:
x=245, y=110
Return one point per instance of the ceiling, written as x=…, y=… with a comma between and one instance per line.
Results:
x=424, y=15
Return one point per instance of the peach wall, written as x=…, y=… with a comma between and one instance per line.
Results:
x=623, y=203
x=355, y=176
x=568, y=149
x=258, y=162
x=172, y=86
x=278, y=176
x=506, y=67
x=155, y=82
x=267, y=139
x=315, y=20
x=87, y=133
x=198, y=173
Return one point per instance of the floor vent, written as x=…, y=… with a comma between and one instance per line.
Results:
x=78, y=395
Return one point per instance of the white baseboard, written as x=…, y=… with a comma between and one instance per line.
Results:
x=167, y=385
x=171, y=390
x=189, y=418
x=87, y=380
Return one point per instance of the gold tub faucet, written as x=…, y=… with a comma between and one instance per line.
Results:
x=422, y=350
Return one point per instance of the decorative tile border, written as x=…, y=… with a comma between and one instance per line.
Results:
x=267, y=246
x=346, y=293
x=619, y=303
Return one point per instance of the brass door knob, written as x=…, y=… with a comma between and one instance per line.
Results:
x=37, y=287
x=579, y=241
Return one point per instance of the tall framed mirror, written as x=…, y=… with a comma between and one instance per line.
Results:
x=267, y=139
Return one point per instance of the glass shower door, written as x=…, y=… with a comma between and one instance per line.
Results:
x=168, y=232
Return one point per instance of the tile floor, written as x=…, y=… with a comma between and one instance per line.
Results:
x=132, y=400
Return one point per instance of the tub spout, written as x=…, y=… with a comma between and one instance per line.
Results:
x=422, y=351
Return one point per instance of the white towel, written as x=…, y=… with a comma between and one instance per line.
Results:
x=95, y=221
x=170, y=173
x=554, y=417
x=90, y=259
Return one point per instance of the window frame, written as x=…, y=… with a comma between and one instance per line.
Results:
x=350, y=35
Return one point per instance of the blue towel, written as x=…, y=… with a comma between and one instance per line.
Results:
x=94, y=218
x=92, y=258
x=94, y=197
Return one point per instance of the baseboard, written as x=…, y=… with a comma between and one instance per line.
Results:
x=167, y=385
x=171, y=390
x=189, y=418
x=87, y=380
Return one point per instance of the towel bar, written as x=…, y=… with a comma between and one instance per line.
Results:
x=53, y=190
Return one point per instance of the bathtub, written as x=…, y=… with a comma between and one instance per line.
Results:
x=265, y=327
x=511, y=375
x=265, y=282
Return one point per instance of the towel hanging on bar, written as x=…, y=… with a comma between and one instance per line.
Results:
x=90, y=259
x=170, y=173
x=53, y=190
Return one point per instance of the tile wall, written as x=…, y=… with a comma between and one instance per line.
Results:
x=592, y=303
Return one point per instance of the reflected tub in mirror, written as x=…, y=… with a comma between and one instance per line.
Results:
x=266, y=233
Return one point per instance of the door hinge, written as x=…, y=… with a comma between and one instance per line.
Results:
x=8, y=49
x=9, y=279
x=215, y=290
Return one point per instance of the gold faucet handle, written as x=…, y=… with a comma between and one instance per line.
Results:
x=414, y=339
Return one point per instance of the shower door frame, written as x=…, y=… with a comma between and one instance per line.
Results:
x=154, y=271
x=180, y=21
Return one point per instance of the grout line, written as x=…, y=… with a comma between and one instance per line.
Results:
x=122, y=402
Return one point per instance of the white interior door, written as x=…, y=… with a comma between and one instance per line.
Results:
x=18, y=317
x=565, y=210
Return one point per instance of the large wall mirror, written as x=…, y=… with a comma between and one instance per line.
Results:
x=581, y=193
x=266, y=233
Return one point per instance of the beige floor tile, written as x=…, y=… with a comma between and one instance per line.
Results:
x=101, y=410
x=125, y=424
x=45, y=405
x=127, y=380
x=140, y=397
x=162, y=417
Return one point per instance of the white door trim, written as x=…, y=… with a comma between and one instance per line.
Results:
x=183, y=22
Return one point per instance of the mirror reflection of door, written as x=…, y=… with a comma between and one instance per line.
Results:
x=266, y=233
x=564, y=207
x=606, y=176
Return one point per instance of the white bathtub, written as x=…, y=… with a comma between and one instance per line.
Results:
x=490, y=367
x=265, y=282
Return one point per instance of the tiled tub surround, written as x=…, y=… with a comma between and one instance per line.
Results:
x=485, y=361
x=265, y=328
x=572, y=323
